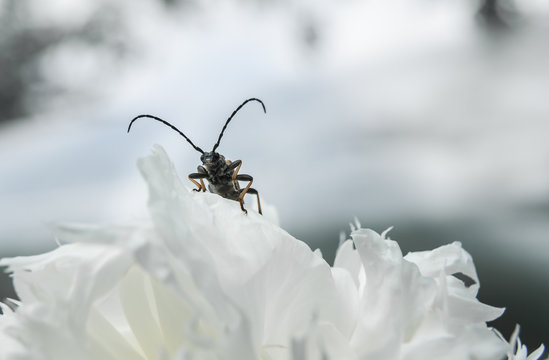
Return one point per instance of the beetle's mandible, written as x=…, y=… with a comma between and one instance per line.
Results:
x=222, y=175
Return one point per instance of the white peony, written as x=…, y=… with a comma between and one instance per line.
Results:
x=201, y=280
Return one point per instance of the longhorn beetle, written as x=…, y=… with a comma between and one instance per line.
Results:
x=222, y=175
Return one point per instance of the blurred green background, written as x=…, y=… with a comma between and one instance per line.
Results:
x=430, y=116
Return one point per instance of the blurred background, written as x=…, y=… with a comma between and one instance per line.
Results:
x=431, y=116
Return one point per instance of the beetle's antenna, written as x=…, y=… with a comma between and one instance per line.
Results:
x=233, y=114
x=170, y=125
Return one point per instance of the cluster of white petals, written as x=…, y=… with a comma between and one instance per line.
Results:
x=200, y=280
x=519, y=351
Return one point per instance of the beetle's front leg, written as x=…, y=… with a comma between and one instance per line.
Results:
x=235, y=165
x=201, y=175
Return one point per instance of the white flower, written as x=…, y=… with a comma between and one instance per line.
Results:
x=518, y=351
x=200, y=280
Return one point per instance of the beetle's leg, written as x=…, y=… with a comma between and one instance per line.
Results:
x=254, y=191
x=235, y=165
x=202, y=170
x=200, y=184
x=243, y=177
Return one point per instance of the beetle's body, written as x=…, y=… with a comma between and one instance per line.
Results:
x=222, y=175
x=219, y=175
x=222, y=189
x=220, y=179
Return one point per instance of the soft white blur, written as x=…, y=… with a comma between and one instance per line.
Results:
x=388, y=110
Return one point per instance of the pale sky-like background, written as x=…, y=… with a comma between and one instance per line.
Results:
x=429, y=115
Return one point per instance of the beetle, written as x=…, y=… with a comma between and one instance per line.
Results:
x=222, y=175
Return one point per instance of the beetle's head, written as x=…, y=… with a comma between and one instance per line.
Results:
x=212, y=159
